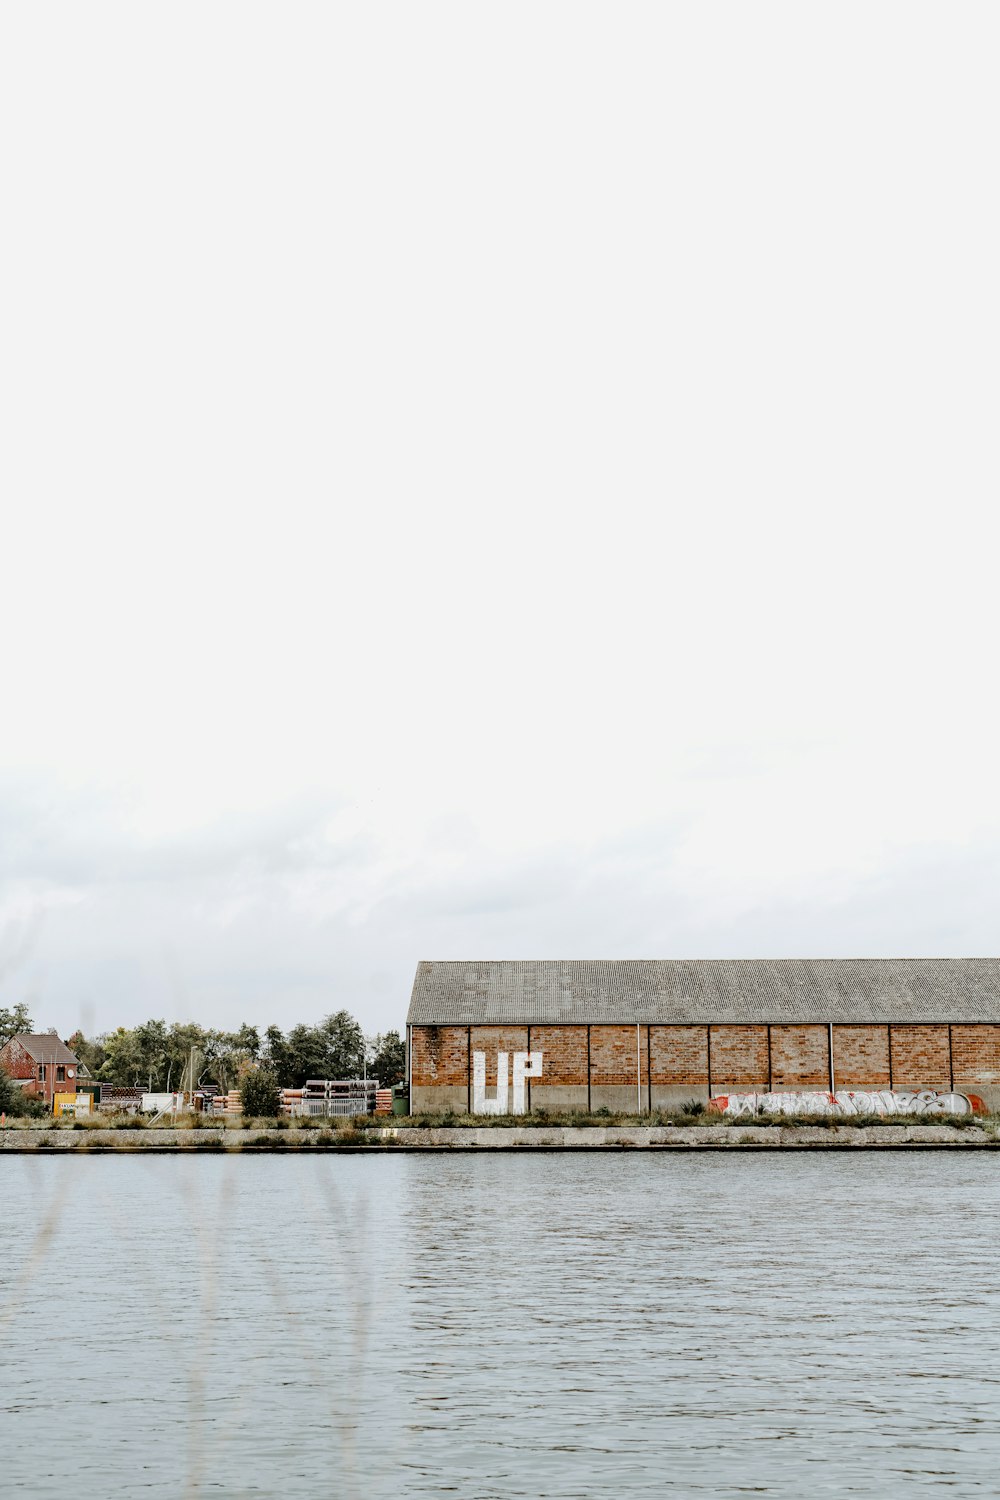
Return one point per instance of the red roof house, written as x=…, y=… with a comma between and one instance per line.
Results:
x=43, y=1065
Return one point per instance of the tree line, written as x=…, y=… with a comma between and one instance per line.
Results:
x=153, y=1056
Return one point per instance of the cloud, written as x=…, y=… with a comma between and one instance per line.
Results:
x=440, y=526
x=285, y=917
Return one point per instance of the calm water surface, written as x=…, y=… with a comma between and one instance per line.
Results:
x=500, y=1326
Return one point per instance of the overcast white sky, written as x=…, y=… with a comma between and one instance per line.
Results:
x=491, y=480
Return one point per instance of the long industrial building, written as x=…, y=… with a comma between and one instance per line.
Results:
x=510, y=1037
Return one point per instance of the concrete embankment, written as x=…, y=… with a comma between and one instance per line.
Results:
x=500, y=1138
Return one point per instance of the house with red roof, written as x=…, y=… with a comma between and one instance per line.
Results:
x=43, y=1065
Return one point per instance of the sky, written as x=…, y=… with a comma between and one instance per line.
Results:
x=491, y=481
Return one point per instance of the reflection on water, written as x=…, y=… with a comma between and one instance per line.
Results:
x=500, y=1325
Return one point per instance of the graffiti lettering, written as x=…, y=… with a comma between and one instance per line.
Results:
x=850, y=1102
x=526, y=1065
x=480, y=1104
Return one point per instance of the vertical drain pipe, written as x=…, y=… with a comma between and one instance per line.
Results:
x=638, y=1071
x=833, y=1081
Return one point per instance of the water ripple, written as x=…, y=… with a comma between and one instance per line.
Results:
x=501, y=1326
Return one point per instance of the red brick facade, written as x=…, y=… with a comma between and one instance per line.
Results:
x=616, y=1054
x=738, y=1058
x=564, y=1049
x=800, y=1057
x=920, y=1057
x=440, y=1055
x=861, y=1057
x=585, y=1065
x=54, y=1072
x=975, y=1052
x=678, y=1056
x=494, y=1039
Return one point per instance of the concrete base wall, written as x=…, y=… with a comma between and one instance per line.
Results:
x=672, y=1096
x=503, y=1138
x=556, y=1096
x=621, y=1098
x=431, y=1098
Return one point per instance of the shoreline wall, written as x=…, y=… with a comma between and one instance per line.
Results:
x=737, y=1136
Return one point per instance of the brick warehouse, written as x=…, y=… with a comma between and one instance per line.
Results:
x=650, y=1034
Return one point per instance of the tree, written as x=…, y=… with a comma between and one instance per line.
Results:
x=151, y=1040
x=260, y=1094
x=277, y=1055
x=181, y=1038
x=247, y=1040
x=305, y=1055
x=344, y=1044
x=387, y=1058
x=333, y=1049
x=14, y=1020
x=154, y=1056
x=90, y=1051
x=228, y=1053
x=123, y=1059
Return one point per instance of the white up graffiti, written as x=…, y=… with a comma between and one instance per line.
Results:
x=849, y=1102
x=526, y=1065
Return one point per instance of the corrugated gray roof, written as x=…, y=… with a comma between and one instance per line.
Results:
x=462, y=993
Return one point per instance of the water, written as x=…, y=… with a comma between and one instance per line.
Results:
x=495, y=1326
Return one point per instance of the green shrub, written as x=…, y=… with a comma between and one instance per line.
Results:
x=260, y=1094
x=14, y=1102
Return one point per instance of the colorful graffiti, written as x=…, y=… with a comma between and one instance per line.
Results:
x=850, y=1102
x=526, y=1065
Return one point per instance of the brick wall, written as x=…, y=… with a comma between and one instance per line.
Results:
x=678, y=1056
x=494, y=1039
x=738, y=1058
x=920, y=1057
x=19, y=1064
x=613, y=1054
x=15, y=1061
x=800, y=1057
x=440, y=1055
x=564, y=1050
x=861, y=1057
x=975, y=1054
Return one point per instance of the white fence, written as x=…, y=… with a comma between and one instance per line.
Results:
x=335, y=1104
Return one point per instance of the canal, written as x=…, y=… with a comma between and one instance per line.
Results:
x=501, y=1325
